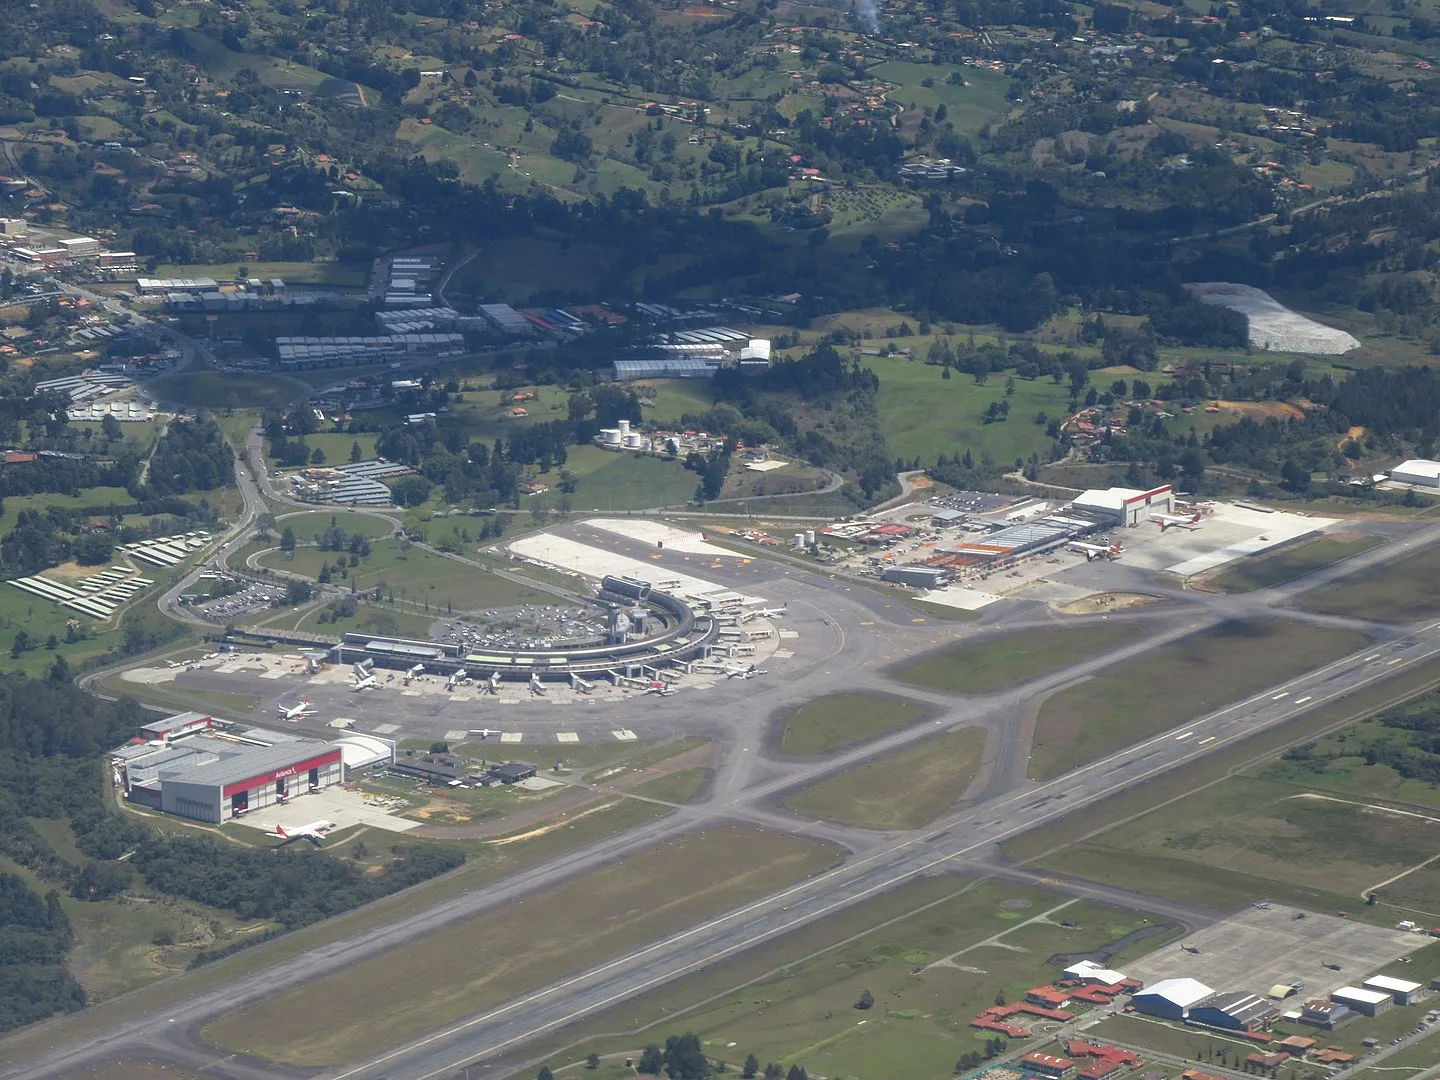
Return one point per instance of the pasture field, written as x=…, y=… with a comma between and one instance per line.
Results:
x=39, y=619
x=372, y=617
x=925, y=415
x=414, y=575
x=971, y=106
x=1010, y=659
x=98, y=499
x=793, y=999
x=461, y=970
x=1291, y=563
x=836, y=721
x=607, y=481
x=903, y=790
x=1133, y=699
x=1405, y=590
x=1246, y=838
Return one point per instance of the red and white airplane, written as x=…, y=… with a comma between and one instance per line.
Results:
x=1167, y=520
x=658, y=688
x=314, y=832
x=298, y=711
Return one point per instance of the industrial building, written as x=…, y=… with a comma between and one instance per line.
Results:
x=1318, y=1012
x=150, y=286
x=1171, y=999
x=1127, y=506
x=507, y=320
x=1234, y=1011
x=1365, y=1002
x=1088, y=972
x=322, y=352
x=917, y=577
x=185, y=766
x=677, y=367
x=1418, y=471
x=1047, y=1065
x=1402, y=991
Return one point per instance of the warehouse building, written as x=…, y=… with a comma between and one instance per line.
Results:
x=1365, y=1002
x=1402, y=991
x=1127, y=506
x=213, y=776
x=1171, y=999
x=1318, y=1012
x=1234, y=1011
x=917, y=577
x=1417, y=471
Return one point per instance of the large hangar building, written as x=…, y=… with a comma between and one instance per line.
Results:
x=205, y=774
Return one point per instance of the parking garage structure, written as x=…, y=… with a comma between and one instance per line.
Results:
x=690, y=632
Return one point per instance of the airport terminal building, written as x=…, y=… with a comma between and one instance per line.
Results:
x=214, y=776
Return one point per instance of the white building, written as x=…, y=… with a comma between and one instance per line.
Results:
x=1402, y=991
x=1087, y=971
x=81, y=245
x=1366, y=1002
x=1171, y=998
x=1127, y=506
x=1417, y=471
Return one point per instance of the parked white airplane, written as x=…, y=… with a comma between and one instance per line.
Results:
x=1096, y=551
x=744, y=673
x=770, y=612
x=314, y=832
x=482, y=733
x=367, y=683
x=1167, y=520
x=298, y=711
x=659, y=688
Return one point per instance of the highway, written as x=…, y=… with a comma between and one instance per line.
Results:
x=850, y=638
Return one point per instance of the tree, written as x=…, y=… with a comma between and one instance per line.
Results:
x=544, y=1073
x=317, y=456
x=356, y=454
x=652, y=1060
x=685, y=1058
x=752, y=1066
x=287, y=539
x=865, y=1001
x=773, y=1071
x=593, y=1061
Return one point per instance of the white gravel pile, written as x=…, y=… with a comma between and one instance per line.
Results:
x=1273, y=326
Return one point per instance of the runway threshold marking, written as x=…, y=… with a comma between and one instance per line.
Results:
x=512, y=736
x=566, y=736
x=624, y=734
x=457, y=733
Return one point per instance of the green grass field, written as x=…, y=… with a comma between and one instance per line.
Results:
x=1248, y=837
x=462, y=969
x=1010, y=659
x=676, y=787
x=608, y=481
x=840, y=720
x=308, y=525
x=970, y=107
x=1125, y=703
x=1405, y=590
x=917, y=949
x=414, y=575
x=1291, y=563
x=925, y=415
x=903, y=790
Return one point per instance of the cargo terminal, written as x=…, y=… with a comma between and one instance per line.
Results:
x=196, y=767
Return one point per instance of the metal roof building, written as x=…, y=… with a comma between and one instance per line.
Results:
x=1418, y=471
x=1368, y=1002
x=213, y=778
x=1402, y=990
x=1171, y=998
x=1236, y=1011
x=671, y=368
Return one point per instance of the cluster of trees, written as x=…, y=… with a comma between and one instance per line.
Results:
x=1414, y=755
x=192, y=455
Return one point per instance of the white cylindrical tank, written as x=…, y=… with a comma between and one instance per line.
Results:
x=634, y=440
x=624, y=427
x=810, y=537
x=611, y=436
x=799, y=540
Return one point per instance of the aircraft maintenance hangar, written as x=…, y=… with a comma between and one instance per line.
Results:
x=200, y=772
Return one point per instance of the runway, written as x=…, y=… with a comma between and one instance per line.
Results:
x=849, y=638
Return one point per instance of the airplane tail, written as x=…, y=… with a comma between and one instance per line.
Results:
x=280, y=832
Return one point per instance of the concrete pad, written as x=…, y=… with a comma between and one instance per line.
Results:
x=769, y=465
x=1264, y=946
x=592, y=562
x=624, y=735
x=789, y=634
x=538, y=783
x=512, y=736
x=566, y=737
x=1229, y=533
x=778, y=654
x=386, y=729
x=457, y=734
x=655, y=533
x=960, y=596
x=345, y=808
x=148, y=676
